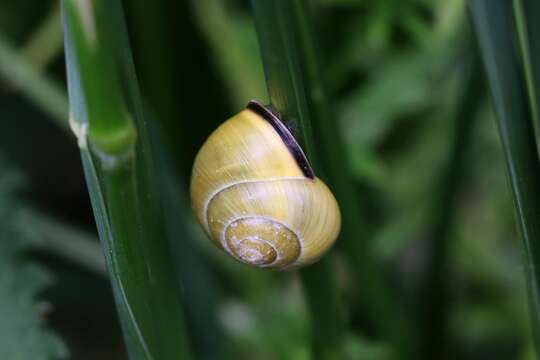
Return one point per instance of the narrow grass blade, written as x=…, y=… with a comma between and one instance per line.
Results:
x=435, y=283
x=527, y=15
x=296, y=89
x=40, y=89
x=45, y=44
x=195, y=279
x=63, y=240
x=239, y=68
x=152, y=37
x=107, y=118
x=492, y=21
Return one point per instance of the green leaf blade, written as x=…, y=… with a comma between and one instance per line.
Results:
x=493, y=25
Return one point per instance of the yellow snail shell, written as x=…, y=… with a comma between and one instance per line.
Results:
x=254, y=192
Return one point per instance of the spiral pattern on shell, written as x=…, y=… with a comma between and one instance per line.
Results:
x=253, y=191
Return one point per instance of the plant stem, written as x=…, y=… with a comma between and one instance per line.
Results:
x=492, y=21
x=280, y=42
x=195, y=279
x=241, y=71
x=40, y=89
x=296, y=90
x=151, y=35
x=527, y=15
x=435, y=284
x=111, y=130
x=45, y=44
x=106, y=109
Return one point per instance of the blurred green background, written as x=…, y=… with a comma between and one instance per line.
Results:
x=401, y=76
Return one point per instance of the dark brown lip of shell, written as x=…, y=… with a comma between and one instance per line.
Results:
x=285, y=135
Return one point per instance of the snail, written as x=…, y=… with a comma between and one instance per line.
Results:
x=255, y=194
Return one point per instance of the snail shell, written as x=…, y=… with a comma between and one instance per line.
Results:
x=256, y=196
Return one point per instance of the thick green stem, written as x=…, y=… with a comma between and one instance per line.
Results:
x=111, y=129
x=121, y=180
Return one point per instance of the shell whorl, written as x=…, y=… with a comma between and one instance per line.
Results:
x=256, y=200
x=261, y=242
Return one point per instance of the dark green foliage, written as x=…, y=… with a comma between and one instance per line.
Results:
x=380, y=94
x=23, y=333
